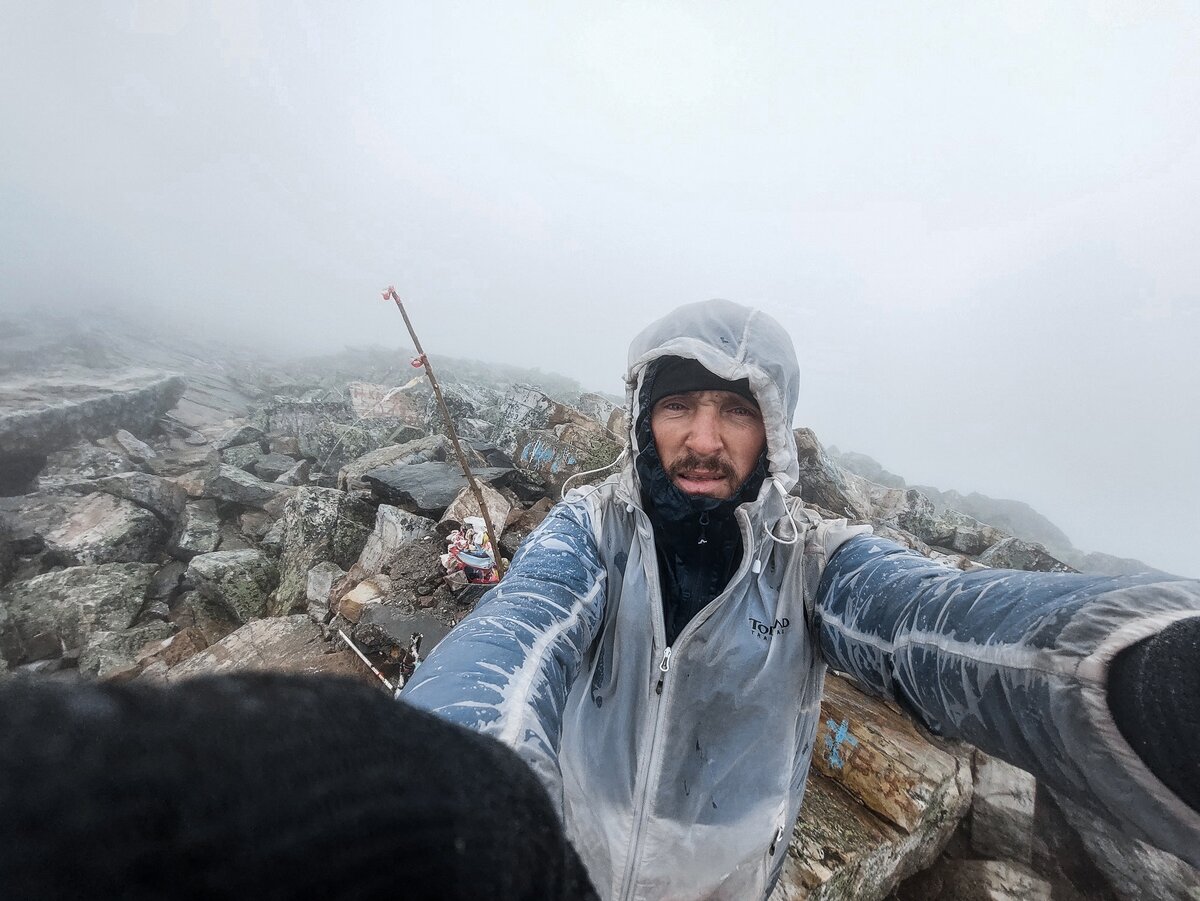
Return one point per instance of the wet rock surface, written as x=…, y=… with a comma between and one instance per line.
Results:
x=45, y=413
x=291, y=644
x=320, y=525
x=101, y=528
x=426, y=489
x=66, y=607
x=242, y=580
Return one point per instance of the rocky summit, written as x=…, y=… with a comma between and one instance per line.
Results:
x=169, y=510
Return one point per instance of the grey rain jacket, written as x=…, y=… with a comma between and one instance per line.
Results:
x=680, y=770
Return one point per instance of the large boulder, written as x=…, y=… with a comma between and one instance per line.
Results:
x=133, y=447
x=244, y=456
x=68, y=606
x=178, y=457
x=296, y=475
x=107, y=652
x=549, y=439
x=319, y=588
x=269, y=467
x=1013, y=553
x=405, y=403
x=162, y=497
x=211, y=619
x=319, y=524
x=394, y=528
x=102, y=528
x=1002, y=811
x=235, y=486
x=597, y=406
x=1013, y=517
x=291, y=644
x=883, y=800
x=525, y=408
x=1085, y=856
x=82, y=462
x=824, y=484
x=564, y=451
x=422, y=450
x=45, y=413
x=198, y=530
x=329, y=433
x=469, y=409
x=239, y=435
x=241, y=580
x=465, y=505
x=426, y=489
x=520, y=524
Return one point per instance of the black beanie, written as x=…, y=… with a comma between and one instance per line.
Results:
x=677, y=375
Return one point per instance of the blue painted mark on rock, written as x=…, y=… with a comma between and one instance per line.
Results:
x=837, y=737
x=538, y=454
x=543, y=456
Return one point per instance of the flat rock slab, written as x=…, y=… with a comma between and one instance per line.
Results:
x=425, y=488
x=291, y=644
x=433, y=448
x=399, y=621
x=162, y=497
x=235, y=486
x=882, y=801
x=43, y=414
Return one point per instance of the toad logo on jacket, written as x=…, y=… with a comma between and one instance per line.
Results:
x=766, y=630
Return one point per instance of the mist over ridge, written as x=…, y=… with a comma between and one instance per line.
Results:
x=979, y=229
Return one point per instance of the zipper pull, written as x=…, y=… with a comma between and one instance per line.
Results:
x=663, y=666
x=775, y=840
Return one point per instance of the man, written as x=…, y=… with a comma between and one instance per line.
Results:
x=657, y=650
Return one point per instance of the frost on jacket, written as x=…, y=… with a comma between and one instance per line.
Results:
x=678, y=772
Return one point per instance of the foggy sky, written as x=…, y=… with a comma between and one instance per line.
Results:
x=981, y=228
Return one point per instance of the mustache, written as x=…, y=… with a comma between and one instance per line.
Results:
x=693, y=461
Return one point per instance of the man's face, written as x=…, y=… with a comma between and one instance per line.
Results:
x=709, y=441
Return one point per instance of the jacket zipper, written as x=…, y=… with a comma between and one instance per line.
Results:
x=775, y=840
x=663, y=668
x=634, y=857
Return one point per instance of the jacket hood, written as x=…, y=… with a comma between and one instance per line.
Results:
x=733, y=342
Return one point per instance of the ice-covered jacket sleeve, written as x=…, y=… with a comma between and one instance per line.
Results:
x=1013, y=662
x=507, y=668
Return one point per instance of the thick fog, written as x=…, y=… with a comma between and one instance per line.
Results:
x=980, y=227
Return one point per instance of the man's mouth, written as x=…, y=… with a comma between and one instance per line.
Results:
x=693, y=477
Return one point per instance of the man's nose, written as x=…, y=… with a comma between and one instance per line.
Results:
x=704, y=437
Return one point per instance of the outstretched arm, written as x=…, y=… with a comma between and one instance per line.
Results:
x=507, y=668
x=1017, y=663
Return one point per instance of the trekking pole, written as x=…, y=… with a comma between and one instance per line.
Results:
x=390, y=294
x=363, y=658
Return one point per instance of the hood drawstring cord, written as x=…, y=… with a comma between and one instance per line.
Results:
x=787, y=507
x=562, y=495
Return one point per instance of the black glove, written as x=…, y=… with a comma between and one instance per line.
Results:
x=1154, y=695
x=265, y=787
